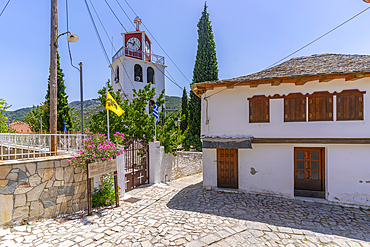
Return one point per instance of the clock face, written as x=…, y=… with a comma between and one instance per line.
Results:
x=133, y=43
x=147, y=47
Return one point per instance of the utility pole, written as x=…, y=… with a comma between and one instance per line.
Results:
x=53, y=76
x=82, y=101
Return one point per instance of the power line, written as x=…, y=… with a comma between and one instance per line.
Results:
x=318, y=38
x=106, y=33
x=97, y=33
x=159, y=44
x=115, y=15
x=100, y=41
x=4, y=8
x=172, y=80
x=69, y=49
x=125, y=14
x=298, y=49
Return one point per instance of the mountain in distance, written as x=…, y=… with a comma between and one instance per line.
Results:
x=18, y=115
x=173, y=104
x=91, y=106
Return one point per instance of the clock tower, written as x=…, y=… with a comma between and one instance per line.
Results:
x=134, y=65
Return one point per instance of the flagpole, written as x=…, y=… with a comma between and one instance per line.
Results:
x=107, y=113
x=155, y=130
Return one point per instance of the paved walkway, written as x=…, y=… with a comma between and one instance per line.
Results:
x=183, y=214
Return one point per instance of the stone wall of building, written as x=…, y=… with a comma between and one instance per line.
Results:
x=40, y=188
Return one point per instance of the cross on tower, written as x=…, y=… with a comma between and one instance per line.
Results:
x=137, y=21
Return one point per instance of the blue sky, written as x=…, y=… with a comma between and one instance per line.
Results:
x=249, y=36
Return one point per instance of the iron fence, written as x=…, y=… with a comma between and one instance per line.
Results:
x=146, y=56
x=29, y=146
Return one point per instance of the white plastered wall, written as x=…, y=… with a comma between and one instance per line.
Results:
x=126, y=74
x=228, y=112
x=347, y=166
x=269, y=169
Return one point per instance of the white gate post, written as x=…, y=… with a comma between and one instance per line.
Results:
x=156, y=162
x=121, y=172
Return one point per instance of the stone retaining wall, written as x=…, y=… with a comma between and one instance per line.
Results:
x=183, y=164
x=166, y=167
x=40, y=188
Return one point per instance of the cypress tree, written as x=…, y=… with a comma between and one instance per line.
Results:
x=64, y=111
x=205, y=69
x=184, y=112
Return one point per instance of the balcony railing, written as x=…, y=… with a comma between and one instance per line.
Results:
x=149, y=57
x=29, y=146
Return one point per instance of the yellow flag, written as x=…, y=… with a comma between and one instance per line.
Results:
x=113, y=106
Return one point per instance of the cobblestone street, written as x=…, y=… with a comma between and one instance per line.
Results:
x=183, y=214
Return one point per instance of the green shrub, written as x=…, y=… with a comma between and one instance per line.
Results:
x=104, y=195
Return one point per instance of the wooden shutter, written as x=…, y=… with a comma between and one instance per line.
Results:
x=295, y=108
x=320, y=106
x=259, y=109
x=350, y=105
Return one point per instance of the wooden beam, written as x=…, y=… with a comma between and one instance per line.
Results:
x=325, y=79
x=351, y=78
x=355, y=77
x=254, y=84
x=313, y=140
x=208, y=87
x=301, y=82
x=276, y=83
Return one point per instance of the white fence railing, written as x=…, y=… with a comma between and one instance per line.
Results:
x=25, y=146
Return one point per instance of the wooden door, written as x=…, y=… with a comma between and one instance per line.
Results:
x=227, y=168
x=309, y=169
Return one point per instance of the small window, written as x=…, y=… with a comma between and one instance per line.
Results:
x=295, y=108
x=320, y=106
x=150, y=75
x=138, y=73
x=259, y=109
x=350, y=105
x=116, y=79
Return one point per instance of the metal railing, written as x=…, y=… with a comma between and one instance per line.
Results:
x=149, y=57
x=30, y=146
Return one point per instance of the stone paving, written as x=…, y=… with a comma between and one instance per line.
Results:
x=182, y=214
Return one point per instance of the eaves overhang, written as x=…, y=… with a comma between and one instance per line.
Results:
x=202, y=87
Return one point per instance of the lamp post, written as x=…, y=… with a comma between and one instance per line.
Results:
x=177, y=122
x=53, y=73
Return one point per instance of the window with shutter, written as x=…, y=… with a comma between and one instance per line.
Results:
x=295, y=108
x=259, y=109
x=350, y=105
x=320, y=106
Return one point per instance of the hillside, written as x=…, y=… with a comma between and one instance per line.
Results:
x=92, y=106
x=173, y=104
x=18, y=115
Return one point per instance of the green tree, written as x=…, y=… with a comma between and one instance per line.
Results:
x=205, y=69
x=184, y=112
x=135, y=121
x=3, y=118
x=168, y=134
x=63, y=109
x=33, y=117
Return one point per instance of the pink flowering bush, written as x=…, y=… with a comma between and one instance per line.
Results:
x=97, y=149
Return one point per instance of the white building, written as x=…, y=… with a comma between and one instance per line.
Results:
x=133, y=66
x=300, y=128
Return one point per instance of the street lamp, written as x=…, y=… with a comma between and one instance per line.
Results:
x=367, y=1
x=177, y=122
x=53, y=75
